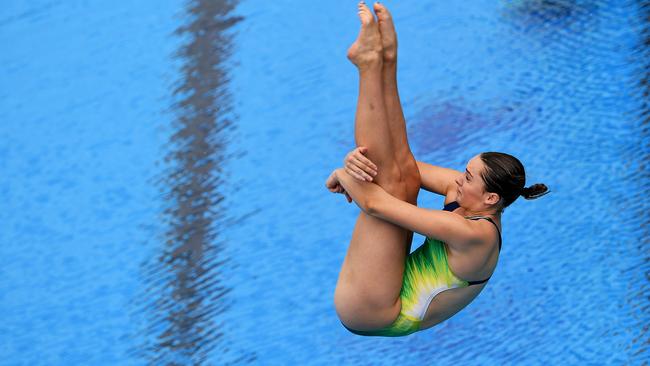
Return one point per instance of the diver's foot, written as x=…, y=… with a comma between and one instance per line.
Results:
x=367, y=49
x=387, y=31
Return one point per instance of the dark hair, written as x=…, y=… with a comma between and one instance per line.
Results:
x=505, y=175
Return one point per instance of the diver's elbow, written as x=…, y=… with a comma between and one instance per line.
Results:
x=370, y=206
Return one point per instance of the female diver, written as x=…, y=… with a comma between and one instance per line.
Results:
x=383, y=290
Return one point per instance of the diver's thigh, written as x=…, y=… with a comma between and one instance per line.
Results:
x=374, y=263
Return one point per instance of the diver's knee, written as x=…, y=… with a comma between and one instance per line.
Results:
x=411, y=179
x=410, y=170
x=390, y=178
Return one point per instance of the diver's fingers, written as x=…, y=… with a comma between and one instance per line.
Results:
x=333, y=189
x=337, y=189
x=363, y=165
x=357, y=153
x=356, y=172
x=361, y=155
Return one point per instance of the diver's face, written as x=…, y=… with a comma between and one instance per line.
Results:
x=471, y=189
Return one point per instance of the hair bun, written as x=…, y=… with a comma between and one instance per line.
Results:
x=535, y=191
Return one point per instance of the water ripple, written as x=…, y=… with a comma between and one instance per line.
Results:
x=187, y=295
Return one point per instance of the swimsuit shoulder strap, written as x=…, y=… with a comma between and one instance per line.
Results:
x=470, y=283
x=490, y=220
x=454, y=205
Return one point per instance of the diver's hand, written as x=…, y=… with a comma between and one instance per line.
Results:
x=359, y=166
x=333, y=185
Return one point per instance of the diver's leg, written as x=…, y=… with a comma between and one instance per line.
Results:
x=369, y=284
x=371, y=125
x=394, y=113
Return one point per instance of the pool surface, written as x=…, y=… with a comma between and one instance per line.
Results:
x=163, y=166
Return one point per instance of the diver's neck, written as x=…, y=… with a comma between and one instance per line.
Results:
x=492, y=213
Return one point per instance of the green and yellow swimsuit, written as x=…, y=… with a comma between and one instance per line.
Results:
x=426, y=274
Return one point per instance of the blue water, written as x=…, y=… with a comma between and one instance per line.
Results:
x=162, y=169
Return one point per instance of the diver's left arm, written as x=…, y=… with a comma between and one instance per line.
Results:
x=446, y=226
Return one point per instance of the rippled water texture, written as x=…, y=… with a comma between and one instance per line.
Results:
x=162, y=169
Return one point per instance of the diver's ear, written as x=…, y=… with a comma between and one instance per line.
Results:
x=492, y=198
